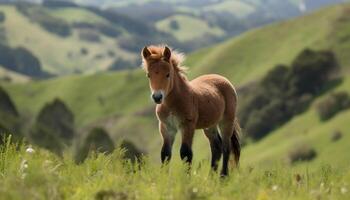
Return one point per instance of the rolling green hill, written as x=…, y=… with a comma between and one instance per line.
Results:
x=120, y=101
x=249, y=56
x=60, y=55
x=76, y=39
x=184, y=26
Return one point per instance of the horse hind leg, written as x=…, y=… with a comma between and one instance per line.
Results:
x=215, y=146
x=230, y=143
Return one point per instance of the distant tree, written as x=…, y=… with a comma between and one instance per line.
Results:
x=2, y=17
x=174, y=25
x=97, y=140
x=121, y=64
x=287, y=91
x=7, y=107
x=89, y=35
x=54, y=127
x=9, y=118
x=311, y=70
x=300, y=153
x=332, y=104
x=84, y=51
x=20, y=60
x=131, y=152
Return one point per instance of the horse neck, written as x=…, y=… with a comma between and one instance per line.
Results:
x=181, y=88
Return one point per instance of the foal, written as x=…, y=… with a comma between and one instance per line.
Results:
x=208, y=102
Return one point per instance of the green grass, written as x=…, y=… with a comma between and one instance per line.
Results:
x=41, y=175
x=72, y=15
x=189, y=27
x=237, y=8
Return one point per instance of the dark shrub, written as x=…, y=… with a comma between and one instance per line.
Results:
x=58, y=3
x=7, y=107
x=311, y=70
x=174, y=25
x=26, y=62
x=131, y=152
x=285, y=92
x=97, y=140
x=90, y=36
x=109, y=30
x=2, y=17
x=20, y=60
x=332, y=104
x=3, y=37
x=56, y=26
x=54, y=127
x=84, y=51
x=59, y=118
x=276, y=80
x=301, y=153
x=121, y=64
x=7, y=59
x=9, y=117
x=336, y=135
x=45, y=137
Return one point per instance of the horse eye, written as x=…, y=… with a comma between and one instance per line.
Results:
x=168, y=75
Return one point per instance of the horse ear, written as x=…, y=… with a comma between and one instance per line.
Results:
x=145, y=53
x=167, y=53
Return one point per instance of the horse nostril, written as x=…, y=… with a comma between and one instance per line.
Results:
x=157, y=97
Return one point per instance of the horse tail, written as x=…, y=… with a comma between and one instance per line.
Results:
x=235, y=142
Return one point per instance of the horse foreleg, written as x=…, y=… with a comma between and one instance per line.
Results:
x=186, y=146
x=168, y=134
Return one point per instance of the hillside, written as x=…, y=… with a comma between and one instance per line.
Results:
x=120, y=101
x=69, y=40
x=249, y=56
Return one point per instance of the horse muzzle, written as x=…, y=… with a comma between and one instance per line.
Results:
x=157, y=97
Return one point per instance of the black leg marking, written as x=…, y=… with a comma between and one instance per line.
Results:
x=165, y=153
x=216, y=151
x=226, y=157
x=186, y=153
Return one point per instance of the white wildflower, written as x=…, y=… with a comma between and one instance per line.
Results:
x=275, y=187
x=195, y=190
x=343, y=190
x=322, y=185
x=30, y=150
x=23, y=176
x=24, y=165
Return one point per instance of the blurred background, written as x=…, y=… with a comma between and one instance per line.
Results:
x=71, y=80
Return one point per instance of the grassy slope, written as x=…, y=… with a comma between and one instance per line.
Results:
x=242, y=59
x=249, y=56
x=237, y=8
x=187, y=25
x=72, y=15
x=53, y=50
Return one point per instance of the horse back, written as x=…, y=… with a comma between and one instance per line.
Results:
x=216, y=98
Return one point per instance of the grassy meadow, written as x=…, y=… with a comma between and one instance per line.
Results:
x=37, y=174
x=120, y=103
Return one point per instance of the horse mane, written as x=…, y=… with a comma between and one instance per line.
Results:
x=176, y=58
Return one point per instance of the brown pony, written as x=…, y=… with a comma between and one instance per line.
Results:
x=208, y=102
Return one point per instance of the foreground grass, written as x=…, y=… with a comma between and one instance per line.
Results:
x=42, y=175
